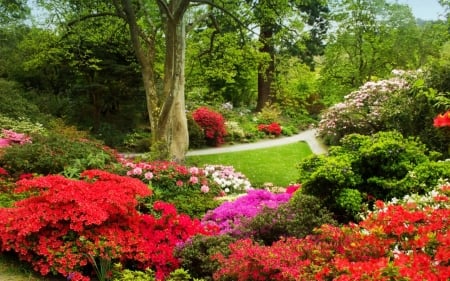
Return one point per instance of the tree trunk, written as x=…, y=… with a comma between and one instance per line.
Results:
x=266, y=72
x=166, y=110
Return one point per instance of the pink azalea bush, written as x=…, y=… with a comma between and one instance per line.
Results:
x=9, y=137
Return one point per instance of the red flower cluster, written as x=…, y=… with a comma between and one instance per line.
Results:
x=66, y=220
x=442, y=120
x=212, y=123
x=397, y=243
x=271, y=129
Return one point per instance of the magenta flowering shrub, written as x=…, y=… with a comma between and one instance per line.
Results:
x=229, y=216
x=362, y=111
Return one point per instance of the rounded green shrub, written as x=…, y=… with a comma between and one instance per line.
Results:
x=363, y=168
x=55, y=154
x=196, y=254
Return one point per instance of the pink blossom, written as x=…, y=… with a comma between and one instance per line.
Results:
x=4, y=142
x=193, y=180
x=204, y=189
x=194, y=170
x=179, y=183
x=148, y=175
x=137, y=171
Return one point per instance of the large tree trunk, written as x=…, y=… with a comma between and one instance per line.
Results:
x=178, y=130
x=266, y=71
x=166, y=110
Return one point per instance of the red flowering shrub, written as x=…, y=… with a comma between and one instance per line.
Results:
x=270, y=129
x=212, y=123
x=442, y=120
x=66, y=221
x=161, y=235
x=397, y=242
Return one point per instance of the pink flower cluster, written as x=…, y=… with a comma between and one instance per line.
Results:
x=9, y=137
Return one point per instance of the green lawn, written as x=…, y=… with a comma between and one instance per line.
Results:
x=275, y=164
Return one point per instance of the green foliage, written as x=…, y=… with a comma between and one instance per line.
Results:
x=14, y=105
x=137, y=141
x=55, y=154
x=297, y=218
x=196, y=254
x=187, y=201
x=381, y=166
x=181, y=274
x=22, y=125
x=132, y=275
x=196, y=135
x=271, y=113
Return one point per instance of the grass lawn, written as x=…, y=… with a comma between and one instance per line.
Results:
x=275, y=164
x=13, y=270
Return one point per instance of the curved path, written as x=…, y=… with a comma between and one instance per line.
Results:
x=308, y=136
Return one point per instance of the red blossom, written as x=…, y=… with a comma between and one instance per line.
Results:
x=212, y=123
x=270, y=129
x=442, y=120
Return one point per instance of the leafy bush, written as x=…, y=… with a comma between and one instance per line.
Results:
x=364, y=168
x=196, y=254
x=271, y=113
x=401, y=241
x=22, y=125
x=14, y=105
x=196, y=135
x=55, y=154
x=212, y=123
x=296, y=218
x=137, y=141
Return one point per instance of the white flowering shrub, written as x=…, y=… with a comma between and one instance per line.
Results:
x=228, y=179
x=362, y=111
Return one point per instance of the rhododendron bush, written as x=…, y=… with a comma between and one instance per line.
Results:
x=65, y=221
x=400, y=240
x=212, y=123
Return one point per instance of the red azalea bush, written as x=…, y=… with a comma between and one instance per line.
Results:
x=442, y=120
x=212, y=123
x=396, y=242
x=67, y=220
x=270, y=129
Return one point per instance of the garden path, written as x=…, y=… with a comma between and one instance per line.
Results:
x=308, y=136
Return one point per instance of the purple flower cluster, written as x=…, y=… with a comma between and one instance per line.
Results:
x=229, y=215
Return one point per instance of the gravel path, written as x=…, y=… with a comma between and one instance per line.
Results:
x=308, y=136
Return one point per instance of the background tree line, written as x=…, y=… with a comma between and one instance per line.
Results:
x=113, y=67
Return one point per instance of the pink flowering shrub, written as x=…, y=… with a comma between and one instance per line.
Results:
x=9, y=137
x=398, y=241
x=190, y=189
x=212, y=123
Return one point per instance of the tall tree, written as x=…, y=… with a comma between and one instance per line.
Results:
x=13, y=11
x=284, y=21
x=372, y=37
